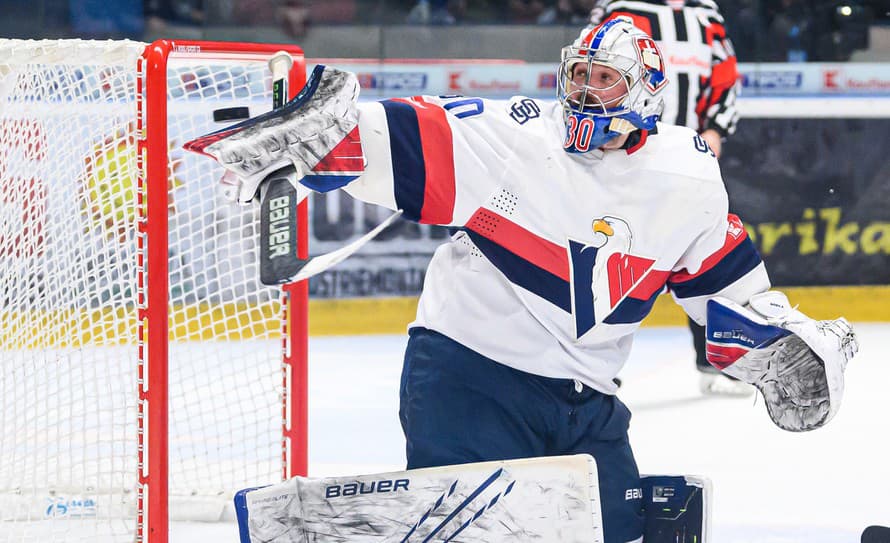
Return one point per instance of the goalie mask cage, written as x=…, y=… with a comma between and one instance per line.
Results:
x=146, y=373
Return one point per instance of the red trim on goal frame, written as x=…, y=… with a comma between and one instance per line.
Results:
x=153, y=421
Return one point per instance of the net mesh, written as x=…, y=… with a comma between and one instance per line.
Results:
x=69, y=225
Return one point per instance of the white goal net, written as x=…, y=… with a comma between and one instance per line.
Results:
x=76, y=334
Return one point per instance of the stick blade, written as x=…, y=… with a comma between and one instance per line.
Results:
x=278, y=229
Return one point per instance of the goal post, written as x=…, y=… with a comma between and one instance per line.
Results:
x=145, y=373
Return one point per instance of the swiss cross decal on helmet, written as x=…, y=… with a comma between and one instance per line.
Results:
x=652, y=61
x=608, y=83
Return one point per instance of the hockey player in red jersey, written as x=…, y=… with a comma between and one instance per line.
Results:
x=571, y=217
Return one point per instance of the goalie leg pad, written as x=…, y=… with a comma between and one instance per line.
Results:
x=535, y=499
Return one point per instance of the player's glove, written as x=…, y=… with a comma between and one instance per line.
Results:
x=796, y=362
x=316, y=132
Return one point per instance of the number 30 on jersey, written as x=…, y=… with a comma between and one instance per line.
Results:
x=579, y=133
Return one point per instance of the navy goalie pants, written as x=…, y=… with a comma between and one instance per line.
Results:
x=458, y=406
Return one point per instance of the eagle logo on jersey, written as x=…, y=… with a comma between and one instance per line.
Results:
x=653, y=63
x=596, y=278
x=603, y=272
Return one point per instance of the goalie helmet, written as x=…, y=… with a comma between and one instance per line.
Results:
x=633, y=100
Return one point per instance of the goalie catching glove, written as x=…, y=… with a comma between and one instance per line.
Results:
x=316, y=132
x=796, y=362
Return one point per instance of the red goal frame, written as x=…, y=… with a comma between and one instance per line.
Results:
x=153, y=313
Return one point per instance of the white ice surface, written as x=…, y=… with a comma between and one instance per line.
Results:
x=770, y=486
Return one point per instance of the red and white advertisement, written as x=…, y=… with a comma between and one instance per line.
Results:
x=856, y=78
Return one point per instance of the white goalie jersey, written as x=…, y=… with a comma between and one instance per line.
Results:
x=557, y=257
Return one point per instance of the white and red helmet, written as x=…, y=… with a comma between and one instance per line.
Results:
x=618, y=44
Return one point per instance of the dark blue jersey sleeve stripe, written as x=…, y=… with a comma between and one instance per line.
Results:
x=326, y=183
x=408, y=168
x=525, y=274
x=632, y=310
x=732, y=267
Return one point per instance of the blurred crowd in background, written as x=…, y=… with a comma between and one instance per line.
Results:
x=795, y=30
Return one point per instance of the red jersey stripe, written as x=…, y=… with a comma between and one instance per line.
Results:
x=521, y=242
x=735, y=235
x=650, y=284
x=644, y=134
x=438, y=157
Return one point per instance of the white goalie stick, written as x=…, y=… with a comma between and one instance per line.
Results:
x=278, y=220
x=319, y=263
